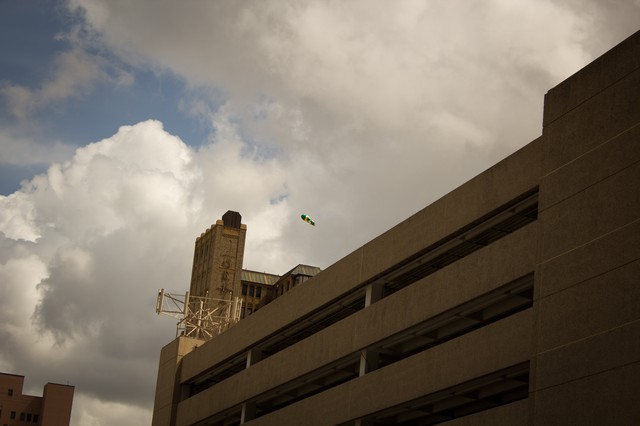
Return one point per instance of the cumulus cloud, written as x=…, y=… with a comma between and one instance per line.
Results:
x=17, y=150
x=92, y=412
x=20, y=274
x=86, y=245
x=385, y=67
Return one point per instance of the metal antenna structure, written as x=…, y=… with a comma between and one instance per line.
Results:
x=199, y=317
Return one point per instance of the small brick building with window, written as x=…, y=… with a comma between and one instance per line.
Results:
x=53, y=408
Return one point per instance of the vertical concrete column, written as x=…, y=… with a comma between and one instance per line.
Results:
x=169, y=391
x=254, y=355
x=374, y=293
x=248, y=412
x=368, y=361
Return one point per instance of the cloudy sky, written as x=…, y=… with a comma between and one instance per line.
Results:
x=127, y=128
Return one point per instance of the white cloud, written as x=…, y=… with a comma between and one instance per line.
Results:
x=85, y=246
x=386, y=67
x=21, y=151
x=91, y=412
x=19, y=275
x=108, y=228
x=17, y=217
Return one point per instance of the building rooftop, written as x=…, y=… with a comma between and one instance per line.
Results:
x=307, y=270
x=259, y=277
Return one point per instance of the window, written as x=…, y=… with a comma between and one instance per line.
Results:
x=10, y=392
x=244, y=289
x=28, y=417
x=13, y=415
x=258, y=291
x=35, y=418
x=251, y=289
x=22, y=417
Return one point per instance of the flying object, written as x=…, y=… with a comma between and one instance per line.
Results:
x=307, y=219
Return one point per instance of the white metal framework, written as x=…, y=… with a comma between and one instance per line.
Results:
x=199, y=317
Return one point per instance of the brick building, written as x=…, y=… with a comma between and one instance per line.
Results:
x=53, y=408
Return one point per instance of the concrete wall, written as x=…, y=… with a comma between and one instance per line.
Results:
x=587, y=350
x=168, y=390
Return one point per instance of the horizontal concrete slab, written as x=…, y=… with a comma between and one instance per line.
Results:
x=478, y=353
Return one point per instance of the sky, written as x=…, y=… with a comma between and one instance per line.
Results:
x=128, y=128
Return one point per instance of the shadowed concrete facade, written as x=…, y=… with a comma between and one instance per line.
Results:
x=511, y=300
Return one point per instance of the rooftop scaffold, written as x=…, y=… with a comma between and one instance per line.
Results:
x=199, y=317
